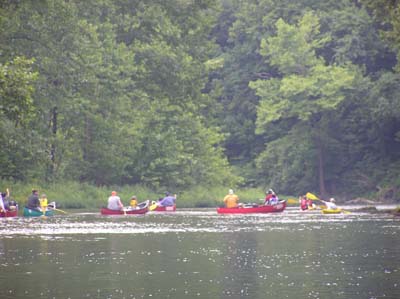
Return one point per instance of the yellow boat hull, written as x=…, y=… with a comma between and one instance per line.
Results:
x=331, y=211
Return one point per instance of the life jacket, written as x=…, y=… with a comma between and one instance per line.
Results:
x=303, y=204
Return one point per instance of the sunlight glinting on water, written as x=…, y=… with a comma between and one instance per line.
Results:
x=180, y=222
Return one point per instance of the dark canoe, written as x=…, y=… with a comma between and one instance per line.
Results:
x=142, y=208
x=252, y=209
x=165, y=209
x=35, y=213
x=7, y=213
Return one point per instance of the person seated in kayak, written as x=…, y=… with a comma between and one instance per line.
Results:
x=231, y=199
x=114, y=202
x=310, y=204
x=168, y=200
x=33, y=201
x=133, y=202
x=43, y=202
x=330, y=205
x=303, y=203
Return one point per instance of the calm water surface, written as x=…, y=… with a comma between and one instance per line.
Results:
x=200, y=254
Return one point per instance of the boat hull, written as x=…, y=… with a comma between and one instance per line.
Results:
x=35, y=213
x=279, y=207
x=7, y=213
x=330, y=211
x=142, y=208
x=165, y=209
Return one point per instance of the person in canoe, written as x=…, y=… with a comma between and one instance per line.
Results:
x=2, y=208
x=33, y=201
x=133, y=202
x=114, y=202
x=268, y=196
x=43, y=202
x=271, y=198
x=274, y=199
x=231, y=199
x=8, y=203
x=168, y=200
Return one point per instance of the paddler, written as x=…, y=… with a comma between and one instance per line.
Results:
x=330, y=205
x=303, y=203
x=231, y=199
x=33, y=201
x=114, y=202
x=168, y=200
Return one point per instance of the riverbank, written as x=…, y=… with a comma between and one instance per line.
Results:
x=73, y=195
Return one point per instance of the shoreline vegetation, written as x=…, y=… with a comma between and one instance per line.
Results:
x=203, y=96
x=73, y=195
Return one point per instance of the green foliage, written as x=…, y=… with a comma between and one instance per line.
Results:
x=16, y=89
x=181, y=94
x=387, y=13
x=119, y=90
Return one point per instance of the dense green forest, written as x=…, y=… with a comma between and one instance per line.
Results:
x=298, y=95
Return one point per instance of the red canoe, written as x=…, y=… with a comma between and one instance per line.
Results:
x=142, y=208
x=9, y=213
x=165, y=209
x=251, y=209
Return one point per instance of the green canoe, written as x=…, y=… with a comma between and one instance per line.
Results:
x=36, y=213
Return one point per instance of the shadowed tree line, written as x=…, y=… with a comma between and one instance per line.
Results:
x=297, y=95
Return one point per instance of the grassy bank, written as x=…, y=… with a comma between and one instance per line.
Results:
x=72, y=195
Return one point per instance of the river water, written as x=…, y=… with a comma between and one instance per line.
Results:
x=200, y=254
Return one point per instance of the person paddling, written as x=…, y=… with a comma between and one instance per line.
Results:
x=303, y=203
x=168, y=200
x=34, y=202
x=114, y=202
x=330, y=205
x=231, y=199
x=2, y=208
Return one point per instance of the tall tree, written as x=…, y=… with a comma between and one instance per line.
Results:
x=307, y=87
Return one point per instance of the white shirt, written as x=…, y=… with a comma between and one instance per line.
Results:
x=1, y=203
x=114, y=203
x=330, y=205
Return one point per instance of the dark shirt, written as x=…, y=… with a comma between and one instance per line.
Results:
x=33, y=202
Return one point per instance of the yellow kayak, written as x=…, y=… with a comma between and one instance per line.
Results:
x=332, y=211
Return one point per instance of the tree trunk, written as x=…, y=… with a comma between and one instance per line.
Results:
x=321, y=170
x=53, y=127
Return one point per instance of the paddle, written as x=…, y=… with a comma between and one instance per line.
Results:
x=312, y=196
x=58, y=210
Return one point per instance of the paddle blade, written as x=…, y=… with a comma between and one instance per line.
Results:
x=153, y=207
x=311, y=196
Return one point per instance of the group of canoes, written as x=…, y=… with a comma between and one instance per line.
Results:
x=115, y=206
x=271, y=204
x=167, y=204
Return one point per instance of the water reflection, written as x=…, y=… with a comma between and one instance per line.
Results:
x=200, y=254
